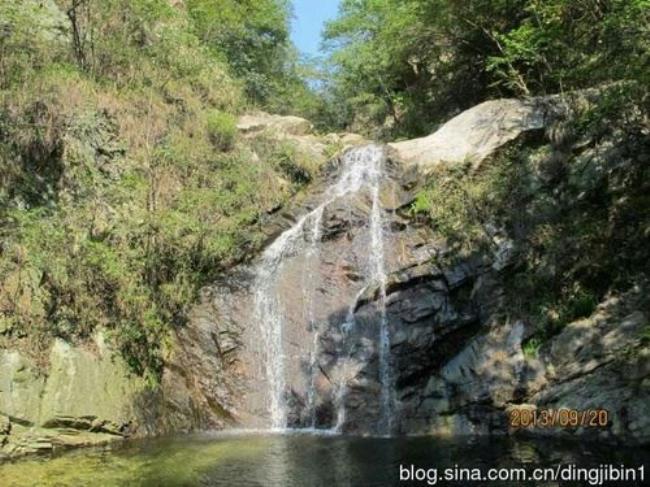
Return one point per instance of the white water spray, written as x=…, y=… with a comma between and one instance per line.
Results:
x=379, y=278
x=312, y=261
x=362, y=169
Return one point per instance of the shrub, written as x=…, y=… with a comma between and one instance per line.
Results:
x=115, y=208
x=222, y=129
x=531, y=347
x=645, y=334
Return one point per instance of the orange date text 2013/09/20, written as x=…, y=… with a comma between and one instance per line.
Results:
x=554, y=418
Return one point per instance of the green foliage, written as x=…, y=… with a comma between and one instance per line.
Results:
x=253, y=37
x=115, y=209
x=578, y=217
x=149, y=43
x=645, y=334
x=460, y=204
x=296, y=166
x=561, y=45
x=222, y=129
x=402, y=66
x=552, y=310
x=531, y=347
x=332, y=148
x=30, y=39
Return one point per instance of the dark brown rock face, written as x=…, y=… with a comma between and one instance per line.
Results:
x=331, y=302
x=316, y=334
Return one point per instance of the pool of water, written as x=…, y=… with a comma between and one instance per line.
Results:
x=299, y=460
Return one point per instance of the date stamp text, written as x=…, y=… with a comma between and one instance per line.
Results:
x=557, y=418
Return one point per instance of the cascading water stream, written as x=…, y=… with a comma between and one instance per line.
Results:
x=312, y=260
x=362, y=169
x=379, y=278
x=342, y=388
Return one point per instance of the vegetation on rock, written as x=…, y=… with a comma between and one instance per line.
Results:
x=403, y=66
x=123, y=187
x=572, y=203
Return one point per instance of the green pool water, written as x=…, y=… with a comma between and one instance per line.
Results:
x=298, y=460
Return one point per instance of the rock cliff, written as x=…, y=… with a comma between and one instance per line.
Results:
x=457, y=364
x=87, y=397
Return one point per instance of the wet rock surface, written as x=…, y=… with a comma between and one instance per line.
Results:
x=458, y=365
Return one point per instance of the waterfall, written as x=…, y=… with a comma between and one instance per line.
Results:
x=342, y=388
x=361, y=170
x=312, y=261
x=379, y=278
x=268, y=314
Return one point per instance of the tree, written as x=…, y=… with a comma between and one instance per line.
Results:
x=416, y=62
x=78, y=12
x=252, y=35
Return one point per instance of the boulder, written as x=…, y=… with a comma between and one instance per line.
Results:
x=474, y=134
x=284, y=124
x=87, y=396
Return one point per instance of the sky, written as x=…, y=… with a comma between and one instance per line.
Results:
x=308, y=22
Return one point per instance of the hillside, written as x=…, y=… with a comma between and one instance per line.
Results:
x=124, y=184
x=195, y=235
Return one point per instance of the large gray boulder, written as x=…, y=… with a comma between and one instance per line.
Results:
x=261, y=121
x=85, y=396
x=474, y=134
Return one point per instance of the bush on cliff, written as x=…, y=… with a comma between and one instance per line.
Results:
x=222, y=129
x=574, y=201
x=115, y=206
x=402, y=66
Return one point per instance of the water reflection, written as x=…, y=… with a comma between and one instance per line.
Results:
x=296, y=460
